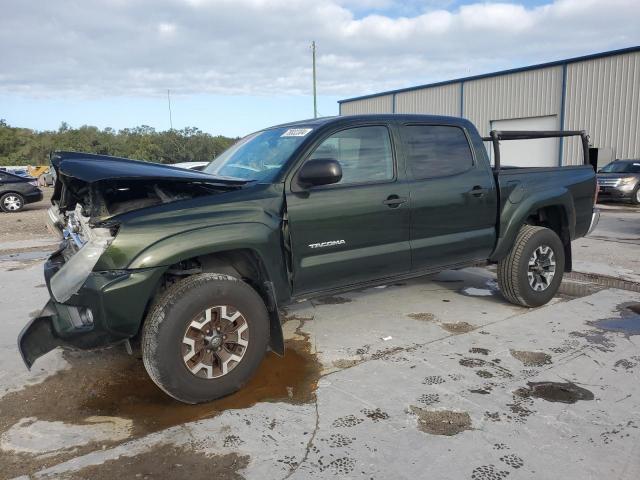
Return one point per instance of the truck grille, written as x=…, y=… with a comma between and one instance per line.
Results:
x=608, y=182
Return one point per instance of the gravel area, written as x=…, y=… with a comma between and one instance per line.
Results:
x=29, y=223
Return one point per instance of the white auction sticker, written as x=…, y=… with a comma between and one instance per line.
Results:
x=296, y=132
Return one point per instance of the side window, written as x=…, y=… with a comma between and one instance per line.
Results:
x=437, y=151
x=364, y=153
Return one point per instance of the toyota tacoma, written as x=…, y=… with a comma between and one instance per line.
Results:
x=196, y=265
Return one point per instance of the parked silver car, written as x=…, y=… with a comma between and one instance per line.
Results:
x=620, y=180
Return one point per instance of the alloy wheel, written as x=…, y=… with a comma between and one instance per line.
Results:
x=542, y=268
x=215, y=342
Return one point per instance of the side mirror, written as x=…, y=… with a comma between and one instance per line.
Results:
x=322, y=171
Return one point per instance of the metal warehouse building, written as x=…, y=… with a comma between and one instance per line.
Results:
x=599, y=93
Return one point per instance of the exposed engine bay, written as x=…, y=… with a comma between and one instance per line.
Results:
x=107, y=199
x=91, y=191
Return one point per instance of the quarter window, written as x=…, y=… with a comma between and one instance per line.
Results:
x=437, y=151
x=364, y=153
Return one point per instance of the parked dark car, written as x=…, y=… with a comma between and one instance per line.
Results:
x=17, y=191
x=620, y=180
x=196, y=265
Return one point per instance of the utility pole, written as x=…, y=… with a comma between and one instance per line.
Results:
x=315, y=100
x=169, y=101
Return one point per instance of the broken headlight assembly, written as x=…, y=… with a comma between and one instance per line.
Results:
x=90, y=243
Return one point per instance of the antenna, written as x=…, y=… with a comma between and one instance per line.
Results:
x=315, y=100
x=169, y=100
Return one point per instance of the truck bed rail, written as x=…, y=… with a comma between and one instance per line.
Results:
x=496, y=135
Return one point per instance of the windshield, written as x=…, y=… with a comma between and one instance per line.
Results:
x=622, y=167
x=259, y=156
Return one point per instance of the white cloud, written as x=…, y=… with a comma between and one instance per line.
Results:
x=107, y=47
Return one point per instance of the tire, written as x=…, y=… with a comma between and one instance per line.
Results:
x=635, y=196
x=169, y=329
x=514, y=269
x=11, y=202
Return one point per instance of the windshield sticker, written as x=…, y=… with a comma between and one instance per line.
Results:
x=296, y=132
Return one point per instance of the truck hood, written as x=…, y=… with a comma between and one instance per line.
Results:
x=105, y=186
x=92, y=168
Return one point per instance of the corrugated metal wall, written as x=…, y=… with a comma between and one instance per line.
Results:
x=443, y=100
x=381, y=104
x=534, y=93
x=603, y=96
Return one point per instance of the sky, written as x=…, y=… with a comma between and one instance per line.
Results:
x=235, y=66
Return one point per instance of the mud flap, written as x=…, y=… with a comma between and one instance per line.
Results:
x=38, y=336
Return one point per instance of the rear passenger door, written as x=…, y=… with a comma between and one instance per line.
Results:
x=357, y=229
x=453, y=197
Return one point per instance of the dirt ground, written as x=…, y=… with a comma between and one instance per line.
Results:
x=29, y=223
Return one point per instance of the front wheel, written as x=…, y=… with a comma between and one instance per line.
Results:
x=205, y=337
x=11, y=202
x=635, y=196
x=531, y=273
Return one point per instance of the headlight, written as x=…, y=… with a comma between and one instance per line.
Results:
x=627, y=181
x=68, y=280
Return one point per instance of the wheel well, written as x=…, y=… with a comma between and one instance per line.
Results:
x=244, y=264
x=555, y=218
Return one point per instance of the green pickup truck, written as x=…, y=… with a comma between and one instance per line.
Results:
x=195, y=265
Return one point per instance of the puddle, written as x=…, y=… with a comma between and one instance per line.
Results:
x=425, y=317
x=441, y=422
x=110, y=383
x=458, y=327
x=628, y=323
x=555, y=392
x=476, y=292
x=167, y=462
x=531, y=359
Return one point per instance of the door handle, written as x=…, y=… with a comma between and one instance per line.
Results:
x=394, y=201
x=478, y=191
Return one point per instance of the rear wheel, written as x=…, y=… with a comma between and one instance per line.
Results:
x=11, y=202
x=531, y=274
x=205, y=337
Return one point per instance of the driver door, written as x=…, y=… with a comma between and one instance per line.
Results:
x=355, y=230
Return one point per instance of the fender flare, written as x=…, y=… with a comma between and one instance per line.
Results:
x=257, y=238
x=513, y=216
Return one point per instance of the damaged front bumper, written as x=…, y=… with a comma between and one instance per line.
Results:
x=108, y=308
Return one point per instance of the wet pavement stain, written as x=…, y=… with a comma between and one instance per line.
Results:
x=531, y=359
x=111, y=383
x=597, y=339
x=458, y=327
x=472, y=362
x=480, y=351
x=331, y=301
x=441, y=422
x=628, y=323
x=481, y=391
x=555, y=392
x=425, y=317
x=167, y=462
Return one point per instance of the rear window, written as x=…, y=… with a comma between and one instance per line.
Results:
x=437, y=151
